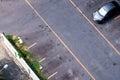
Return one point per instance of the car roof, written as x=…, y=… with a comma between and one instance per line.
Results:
x=109, y=6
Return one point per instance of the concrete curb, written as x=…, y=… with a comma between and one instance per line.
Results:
x=15, y=56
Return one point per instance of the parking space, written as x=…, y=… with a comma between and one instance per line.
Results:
x=55, y=59
x=56, y=56
x=109, y=30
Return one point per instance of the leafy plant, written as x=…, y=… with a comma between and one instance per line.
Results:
x=26, y=55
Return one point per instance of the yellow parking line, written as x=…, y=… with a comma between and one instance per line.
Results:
x=52, y=75
x=93, y=25
x=42, y=60
x=32, y=45
x=70, y=51
x=117, y=17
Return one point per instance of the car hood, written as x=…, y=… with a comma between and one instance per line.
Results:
x=97, y=16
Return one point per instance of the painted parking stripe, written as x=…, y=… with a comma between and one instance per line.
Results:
x=52, y=75
x=118, y=17
x=32, y=45
x=43, y=59
x=70, y=51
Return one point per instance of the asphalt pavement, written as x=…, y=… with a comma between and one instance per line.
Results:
x=63, y=40
x=89, y=47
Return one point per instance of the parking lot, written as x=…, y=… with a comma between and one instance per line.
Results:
x=64, y=38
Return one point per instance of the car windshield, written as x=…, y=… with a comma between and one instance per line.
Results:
x=105, y=9
x=102, y=12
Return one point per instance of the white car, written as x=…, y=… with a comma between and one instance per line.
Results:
x=107, y=11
